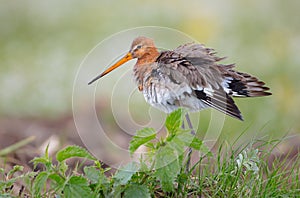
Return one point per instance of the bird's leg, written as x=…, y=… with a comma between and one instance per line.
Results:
x=187, y=117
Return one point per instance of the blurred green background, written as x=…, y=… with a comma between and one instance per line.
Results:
x=42, y=44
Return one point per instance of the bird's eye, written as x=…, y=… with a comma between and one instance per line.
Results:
x=138, y=47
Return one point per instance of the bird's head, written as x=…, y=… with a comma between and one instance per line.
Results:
x=140, y=47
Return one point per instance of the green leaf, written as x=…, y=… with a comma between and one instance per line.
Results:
x=63, y=167
x=73, y=151
x=116, y=192
x=59, y=181
x=15, y=169
x=1, y=170
x=6, y=195
x=40, y=182
x=143, y=164
x=28, y=178
x=188, y=140
x=142, y=136
x=177, y=145
x=150, y=145
x=77, y=186
x=196, y=144
x=174, y=121
x=124, y=174
x=167, y=167
x=136, y=190
x=205, y=150
x=44, y=160
x=92, y=173
x=41, y=160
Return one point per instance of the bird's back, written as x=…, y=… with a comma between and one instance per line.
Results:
x=191, y=76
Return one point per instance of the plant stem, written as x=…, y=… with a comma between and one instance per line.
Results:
x=16, y=146
x=190, y=149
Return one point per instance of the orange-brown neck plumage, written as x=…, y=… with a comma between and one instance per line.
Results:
x=145, y=51
x=148, y=57
x=144, y=66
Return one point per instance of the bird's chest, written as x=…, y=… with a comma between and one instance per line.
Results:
x=161, y=92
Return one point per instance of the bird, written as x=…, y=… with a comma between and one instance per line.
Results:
x=190, y=76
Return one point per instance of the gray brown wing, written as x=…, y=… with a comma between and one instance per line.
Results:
x=237, y=84
x=204, y=80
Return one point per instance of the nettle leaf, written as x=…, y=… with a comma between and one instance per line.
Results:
x=185, y=138
x=167, y=167
x=143, y=164
x=28, y=178
x=10, y=182
x=15, y=169
x=192, y=141
x=63, y=167
x=136, y=190
x=174, y=121
x=77, y=186
x=188, y=139
x=40, y=182
x=73, y=151
x=92, y=173
x=196, y=144
x=125, y=173
x=42, y=160
x=142, y=136
x=205, y=150
x=59, y=180
x=178, y=145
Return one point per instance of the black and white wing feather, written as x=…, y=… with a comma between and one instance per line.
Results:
x=194, y=66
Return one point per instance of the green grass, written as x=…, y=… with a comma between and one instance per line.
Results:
x=162, y=172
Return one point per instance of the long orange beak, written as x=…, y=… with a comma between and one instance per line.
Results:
x=126, y=58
